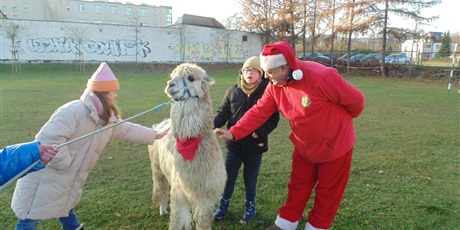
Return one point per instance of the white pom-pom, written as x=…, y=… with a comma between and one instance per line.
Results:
x=297, y=74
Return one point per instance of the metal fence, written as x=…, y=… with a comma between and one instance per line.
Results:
x=417, y=59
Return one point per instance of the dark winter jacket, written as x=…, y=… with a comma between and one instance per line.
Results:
x=233, y=107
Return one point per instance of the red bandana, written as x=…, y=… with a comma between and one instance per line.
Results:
x=188, y=147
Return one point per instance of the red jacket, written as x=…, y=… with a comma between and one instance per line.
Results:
x=320, y=108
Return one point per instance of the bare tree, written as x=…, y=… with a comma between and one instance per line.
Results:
x=234, y=22
x=331, y=17
x=13, y=32
x=357, y=17
x=79, y=34
x=136, y=24
x=275, y=20
x=408, y=9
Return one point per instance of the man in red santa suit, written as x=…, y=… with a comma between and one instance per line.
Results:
x=320, y=106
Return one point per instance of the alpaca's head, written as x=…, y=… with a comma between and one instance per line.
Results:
x=188, y=81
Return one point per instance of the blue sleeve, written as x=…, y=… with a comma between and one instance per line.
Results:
x=15, y=158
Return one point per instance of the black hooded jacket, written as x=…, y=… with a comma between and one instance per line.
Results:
x=233, y=107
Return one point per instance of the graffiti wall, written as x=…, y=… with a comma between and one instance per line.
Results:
x=37, y=41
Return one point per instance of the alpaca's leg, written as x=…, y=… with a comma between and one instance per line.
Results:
x=160, y=192
x=203, y=214
x=180, y=217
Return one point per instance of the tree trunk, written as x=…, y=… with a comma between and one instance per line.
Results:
x=384, y=42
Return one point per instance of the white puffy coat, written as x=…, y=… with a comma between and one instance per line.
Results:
x=53, y=191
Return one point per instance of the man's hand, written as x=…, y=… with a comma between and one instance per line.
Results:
x=224, y=134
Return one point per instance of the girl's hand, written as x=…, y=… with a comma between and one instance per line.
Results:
x=162, y=133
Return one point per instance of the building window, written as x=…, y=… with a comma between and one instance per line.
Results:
x=129, y=11
x=4, y=8
x=428, y=46
x=26, y=9
x=114, y=9
x=144, y=12
x=98, y=21
x=15, y=9
x=25, y=1
x=81, y=7
x=98, y=9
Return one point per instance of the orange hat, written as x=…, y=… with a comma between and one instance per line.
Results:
x=103, y=80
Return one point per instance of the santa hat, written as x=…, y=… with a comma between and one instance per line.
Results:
x=103, y=80
x=278, y=54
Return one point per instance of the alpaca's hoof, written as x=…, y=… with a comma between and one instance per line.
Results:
x=163, y=211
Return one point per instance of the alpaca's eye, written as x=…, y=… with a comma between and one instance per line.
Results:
x=191, y=79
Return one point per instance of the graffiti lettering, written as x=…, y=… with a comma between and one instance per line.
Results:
x=235, y=50
x=117, y=47
x=67, y=45
x=202, y=51
x=52, y=45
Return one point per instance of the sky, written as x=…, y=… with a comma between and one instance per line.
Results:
x=448, y=11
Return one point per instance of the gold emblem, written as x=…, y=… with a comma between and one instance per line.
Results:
x=305, y=101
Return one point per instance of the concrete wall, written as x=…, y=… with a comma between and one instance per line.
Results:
x=61, y=41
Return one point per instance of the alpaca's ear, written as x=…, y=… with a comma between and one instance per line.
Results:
x=209, y=80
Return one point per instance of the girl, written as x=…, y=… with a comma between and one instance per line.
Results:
x=55, y=191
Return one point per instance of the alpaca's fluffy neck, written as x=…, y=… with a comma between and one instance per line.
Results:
x=191, y=118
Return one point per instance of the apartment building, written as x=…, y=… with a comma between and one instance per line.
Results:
x=27, y=9
x=88, y=11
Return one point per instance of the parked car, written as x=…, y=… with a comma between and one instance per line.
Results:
x=317, y=56
x=374, y=57
x=345, y=57
x=401, y=59
x=356, y=57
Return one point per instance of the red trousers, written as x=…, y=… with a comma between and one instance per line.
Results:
x=330, y=179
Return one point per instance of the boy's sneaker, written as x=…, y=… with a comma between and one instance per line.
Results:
x=222, y=209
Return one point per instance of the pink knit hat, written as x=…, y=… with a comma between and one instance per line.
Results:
x=103, y=80
x=278, y=54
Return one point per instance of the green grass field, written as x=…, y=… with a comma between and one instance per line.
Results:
x=405, y=172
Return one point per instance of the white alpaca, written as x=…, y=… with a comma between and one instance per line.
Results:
x=197, y=182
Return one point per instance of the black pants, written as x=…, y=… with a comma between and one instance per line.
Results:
x=251, y=168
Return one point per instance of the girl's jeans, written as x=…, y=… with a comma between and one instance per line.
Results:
x=68, y=223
